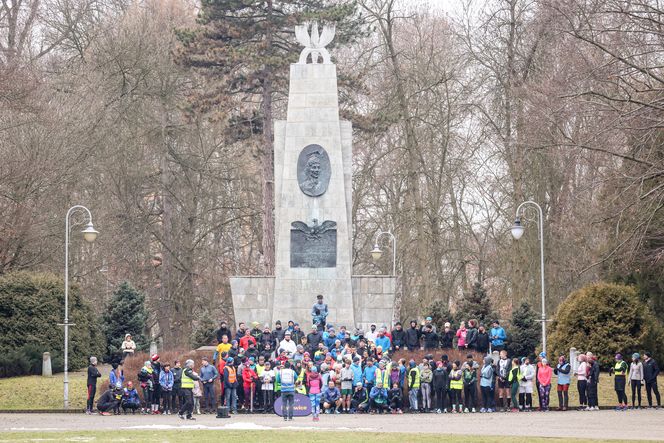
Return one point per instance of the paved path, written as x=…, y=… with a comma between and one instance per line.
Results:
x=644, y=424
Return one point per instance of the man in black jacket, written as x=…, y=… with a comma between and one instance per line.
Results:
x=413, y=337
x=93, y=375
x=223, y=330
x=440, y=384
x=650, y=373
x=398, y=337
x=313, y=338
x=482, y=342
x=278, y=334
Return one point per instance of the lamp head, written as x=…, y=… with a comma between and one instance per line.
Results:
x=517, y=229
x=89, y=233
x=376, y=253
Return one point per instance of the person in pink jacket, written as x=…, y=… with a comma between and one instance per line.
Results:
x=461, y=336
x=315, y=383
x=544, y=378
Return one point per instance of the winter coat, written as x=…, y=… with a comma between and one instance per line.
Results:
x=398, y=338
x=482, y=343
x=413, y=338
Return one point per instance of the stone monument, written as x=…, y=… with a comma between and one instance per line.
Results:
x=313, y=196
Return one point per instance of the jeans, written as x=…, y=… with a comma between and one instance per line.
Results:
x=412, y=398
x=288, y=399
x=487, y=394
x=209, y=400
x=230, y=398
x=315, y=404
x=425, y=389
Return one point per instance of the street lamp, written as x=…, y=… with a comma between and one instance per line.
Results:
x=517, y=233
x=89, y=235
x=377, y=253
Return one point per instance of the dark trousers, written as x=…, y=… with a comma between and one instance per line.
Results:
x=636, y=389
x=592, y=395
x=487, y=394
x=147, y=397
x=107, y=406
x=130, y=406
x=168, y=401
x=440, y=398
x=288, y=399
x=470, y=396
x=651, y=386
x=582, y=386
x=209, y=400
x=92, y=390
x=395, y=403
x=156, y=395
x=268, y=399
x=188, y=407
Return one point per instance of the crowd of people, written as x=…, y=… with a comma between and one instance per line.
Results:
x=355, y=372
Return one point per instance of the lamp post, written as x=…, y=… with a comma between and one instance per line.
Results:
x=517, y=232
x=90, y=235
x=376, y=252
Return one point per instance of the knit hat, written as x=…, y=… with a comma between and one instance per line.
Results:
x=636, y=356
x=229, y=361
x=542, y=354
x=618, y=356
x=154, y=357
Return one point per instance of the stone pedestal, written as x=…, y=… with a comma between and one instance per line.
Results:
x=47, y=370
x=313, y=202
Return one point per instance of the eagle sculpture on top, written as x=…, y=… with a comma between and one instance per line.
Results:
x=313, y=42
x=314, y=231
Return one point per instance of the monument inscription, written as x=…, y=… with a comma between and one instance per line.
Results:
x=313, y=170
x=313, y=246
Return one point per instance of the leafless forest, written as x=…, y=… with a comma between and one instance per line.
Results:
x=458, y=117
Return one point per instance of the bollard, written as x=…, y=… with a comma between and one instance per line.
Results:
x=573, y=359
x=495, y=356
x=153, y=348
x=47, y=370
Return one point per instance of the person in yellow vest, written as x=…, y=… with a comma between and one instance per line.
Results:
x=456, y=387
x=189, y=377
x=413, y=385
x=619, y=370
x=513, y=378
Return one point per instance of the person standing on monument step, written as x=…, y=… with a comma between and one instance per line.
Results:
x=319, y=312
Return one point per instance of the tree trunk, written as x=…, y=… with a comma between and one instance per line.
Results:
x=267, y=162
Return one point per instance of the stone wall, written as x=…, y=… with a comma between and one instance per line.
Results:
x=373, y=299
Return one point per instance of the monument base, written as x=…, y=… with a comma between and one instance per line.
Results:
x=373, y=302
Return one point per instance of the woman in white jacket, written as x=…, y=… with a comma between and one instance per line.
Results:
x=526, y=386
x=636, y=378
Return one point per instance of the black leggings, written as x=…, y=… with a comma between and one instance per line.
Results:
x=636, y=390
x=582, y=386
x=440, y=398
x=650, y=388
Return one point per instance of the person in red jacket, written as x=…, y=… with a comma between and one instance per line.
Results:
x=249, y=377
x=248, y=338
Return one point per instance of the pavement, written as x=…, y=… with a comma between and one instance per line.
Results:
x=642, y=424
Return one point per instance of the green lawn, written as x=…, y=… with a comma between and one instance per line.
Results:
x=265, y=436
x=37, y=392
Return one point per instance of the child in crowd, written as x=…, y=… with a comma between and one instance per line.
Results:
x=197, y=391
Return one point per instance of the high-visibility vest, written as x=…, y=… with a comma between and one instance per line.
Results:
x=456, y=384
x=187, y=382
x=416, y=383
x=232, y=376
x=620, y=368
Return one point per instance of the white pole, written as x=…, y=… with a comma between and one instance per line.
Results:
x=66, y=322
x=541, y=236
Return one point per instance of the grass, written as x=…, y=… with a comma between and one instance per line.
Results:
x=264, y=436
x=36, y=392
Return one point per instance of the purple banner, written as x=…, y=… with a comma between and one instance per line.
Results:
x=301, y=406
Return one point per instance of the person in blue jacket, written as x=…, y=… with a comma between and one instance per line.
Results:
x=378, y=396
x=356, y=367
x=166, y=381
x=130, y=399
x=116, y=375
x=369, y=375
x=331, y=398
x=498, y=337
x=563, y=370
x=383, y=340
